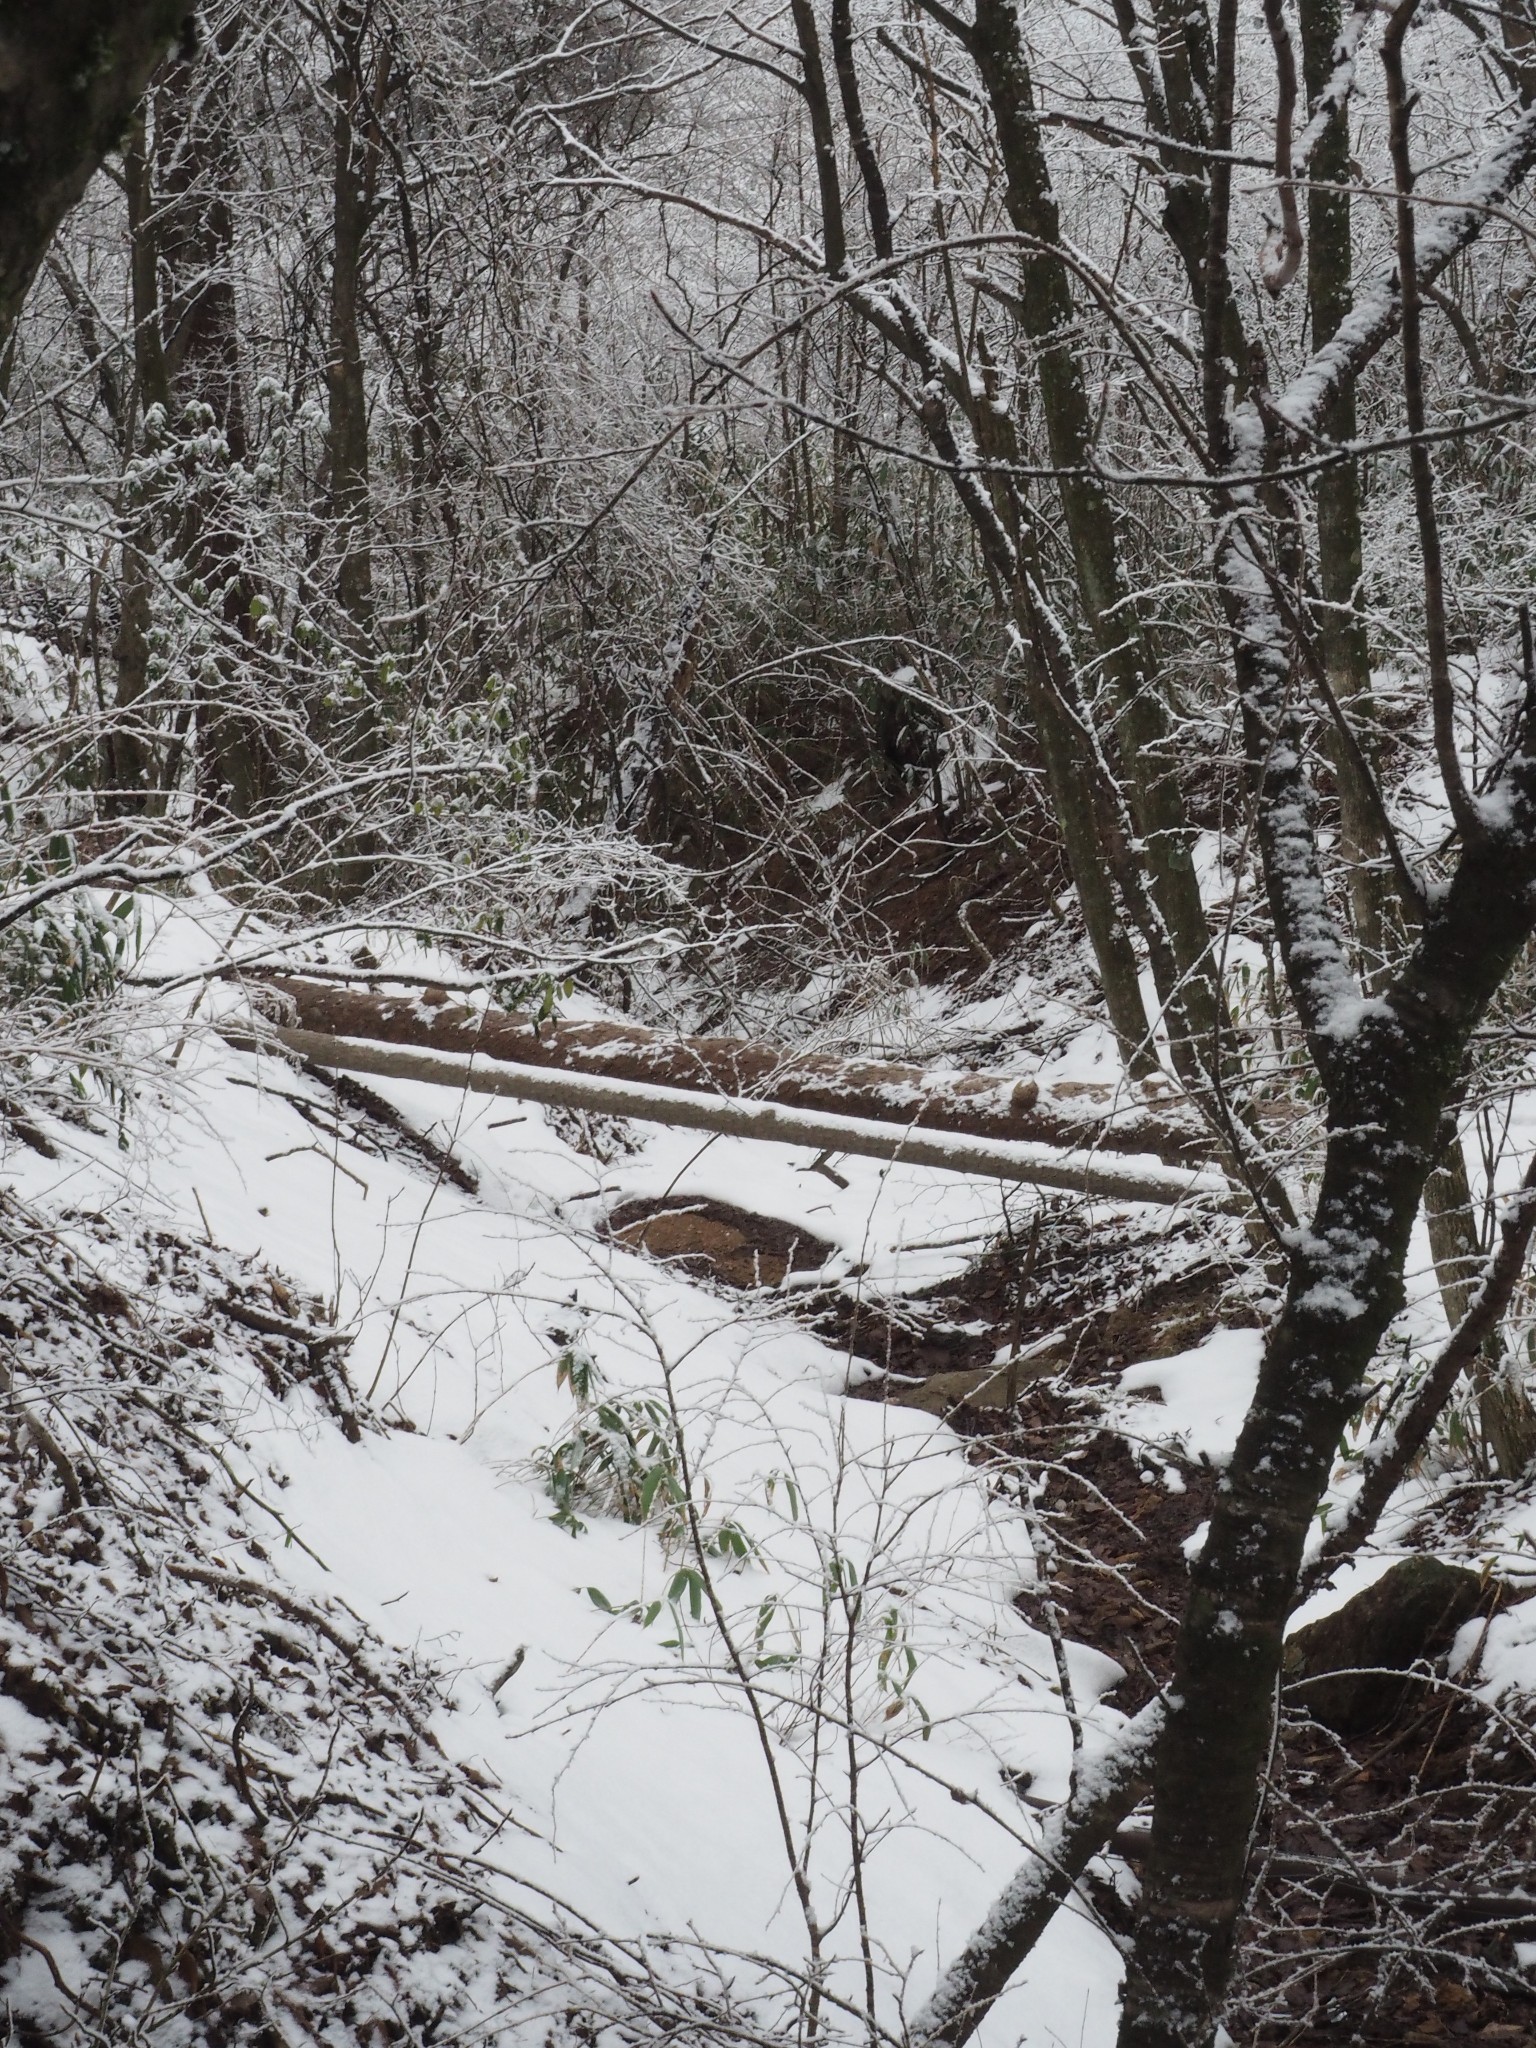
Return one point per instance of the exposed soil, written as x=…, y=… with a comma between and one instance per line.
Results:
x=1122, y=1575
x=1391, y=1869
x=1103, y=1294
x=713, y=1240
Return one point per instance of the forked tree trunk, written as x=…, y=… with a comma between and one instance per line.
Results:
x=1390, y=1068
x=1389, y=1084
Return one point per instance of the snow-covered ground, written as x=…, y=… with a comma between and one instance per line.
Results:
x=792, y=1715
x=844, y=1684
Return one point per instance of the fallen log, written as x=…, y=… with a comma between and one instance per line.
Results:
x=1080, y=1116
x=732, y=1116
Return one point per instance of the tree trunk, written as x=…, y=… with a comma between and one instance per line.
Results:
x=993, y=1106
x=733, y=1117
x=1341, y=628
x=71, y=72
x=1389, y=1085
x=133, y=754
x=1505, y=1413
x=1004, y=533
x=1045, y=308
x=196, y=169
x=355, y=164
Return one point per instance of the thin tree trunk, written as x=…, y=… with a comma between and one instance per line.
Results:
x=1004, y=535
x=1046, y=310
x=131, y=746
x=1341, y=629
x=1505, y=1414
x=197, y=169
x=355, y=160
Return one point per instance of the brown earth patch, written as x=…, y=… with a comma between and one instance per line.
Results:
x=1071, y=1297
x=714, y=1240
x=1122, y=1576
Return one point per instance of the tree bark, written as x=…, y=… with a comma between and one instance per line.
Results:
x=1341, y=629
x=355, y=170
x=132, y=746
x=995, y=1107
x=1389, y=1083
x=1047, y=313
x=733, y=1117
x=196, y=168
x=71, y=72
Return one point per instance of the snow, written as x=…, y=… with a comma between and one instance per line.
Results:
x=1508, y=1661
x=1205, y=1393
x=641, y=1788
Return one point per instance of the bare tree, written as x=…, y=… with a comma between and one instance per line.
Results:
x=1390, y=1051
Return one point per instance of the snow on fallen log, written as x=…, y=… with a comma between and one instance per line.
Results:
x=737, y=1117
x=1076, y=1116
x=1106, y=1790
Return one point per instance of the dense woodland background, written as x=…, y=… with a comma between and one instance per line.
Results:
x=799, y=522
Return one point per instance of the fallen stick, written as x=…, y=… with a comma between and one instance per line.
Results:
x=994, y=1158
x=1081, y=1116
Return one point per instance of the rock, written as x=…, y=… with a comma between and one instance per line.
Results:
x=986, y=1386
x=1343, y=1669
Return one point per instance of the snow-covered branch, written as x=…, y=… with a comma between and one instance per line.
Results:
x=1108, y=1787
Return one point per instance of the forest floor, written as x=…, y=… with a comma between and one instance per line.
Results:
x=314, y=1715
x=1423, y=1789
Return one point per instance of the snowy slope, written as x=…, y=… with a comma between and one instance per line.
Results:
x=650, y=1791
